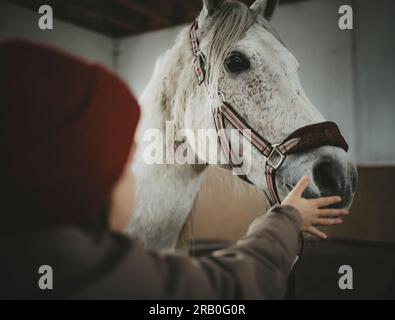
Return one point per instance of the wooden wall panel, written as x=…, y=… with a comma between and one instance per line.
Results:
x=373, y=212
x=226, y=207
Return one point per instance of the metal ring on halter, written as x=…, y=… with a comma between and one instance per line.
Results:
x=220, y=93
x=275, y=151
x=215, y=109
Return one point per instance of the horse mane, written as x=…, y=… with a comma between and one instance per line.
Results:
x=174, y=73
x=227, y=26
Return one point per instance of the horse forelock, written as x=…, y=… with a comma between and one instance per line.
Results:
x=225, y=28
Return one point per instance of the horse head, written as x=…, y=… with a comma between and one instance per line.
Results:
x=245, y=60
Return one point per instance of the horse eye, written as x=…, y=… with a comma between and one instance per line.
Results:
x=237, y=63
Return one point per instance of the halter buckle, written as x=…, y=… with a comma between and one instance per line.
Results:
x=280, y=157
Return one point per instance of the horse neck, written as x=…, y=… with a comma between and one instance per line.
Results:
x=166, y=193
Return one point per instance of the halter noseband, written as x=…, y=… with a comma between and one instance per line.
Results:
x=308, y=137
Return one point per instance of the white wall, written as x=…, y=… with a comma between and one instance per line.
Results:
x=375, y=81
x=16, y=21
x=138, y=54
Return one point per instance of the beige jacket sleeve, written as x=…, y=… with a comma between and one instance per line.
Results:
x=257, y=267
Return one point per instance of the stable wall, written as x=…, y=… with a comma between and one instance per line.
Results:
x=16, y=21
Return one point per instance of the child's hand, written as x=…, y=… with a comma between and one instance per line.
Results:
x=310, y=211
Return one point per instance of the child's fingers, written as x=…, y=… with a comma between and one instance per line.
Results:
x=317, y=233
x=327, y=221
x=301, y=185
x=332, y=213
x=323, y=202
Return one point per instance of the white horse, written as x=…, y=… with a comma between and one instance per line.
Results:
x=247, y=61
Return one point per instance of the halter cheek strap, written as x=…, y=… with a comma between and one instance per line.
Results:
x=308, y=137
x=199, y=59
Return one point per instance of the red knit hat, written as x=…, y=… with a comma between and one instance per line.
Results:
x=66, y=130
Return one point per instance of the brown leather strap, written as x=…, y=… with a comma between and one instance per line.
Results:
x=271, y=184
x=225, y=143
x=240, y=124
x=315, y=135
x=199, y=60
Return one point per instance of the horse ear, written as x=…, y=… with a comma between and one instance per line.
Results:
x=211, y=6
x=265, y=7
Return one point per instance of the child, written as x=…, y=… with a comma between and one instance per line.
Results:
x=67, y=193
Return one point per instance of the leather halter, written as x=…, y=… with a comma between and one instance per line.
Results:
x=308, y=137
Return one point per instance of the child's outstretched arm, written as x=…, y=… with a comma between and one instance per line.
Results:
x=256, y=267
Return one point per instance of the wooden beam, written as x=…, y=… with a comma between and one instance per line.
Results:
x=143, y=10
x=107, y=16
x=190, y=5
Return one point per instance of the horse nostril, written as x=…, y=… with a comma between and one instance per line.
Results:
x=328, y=178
